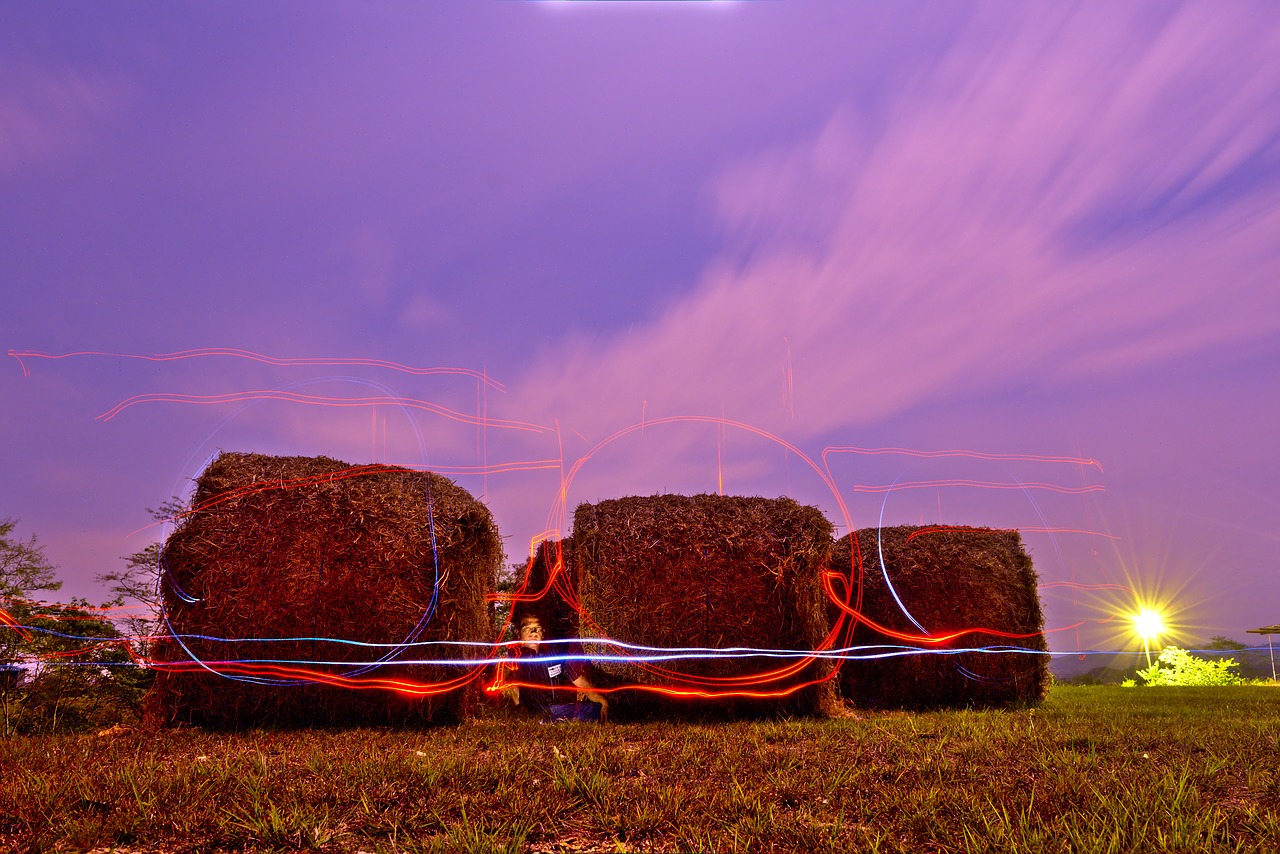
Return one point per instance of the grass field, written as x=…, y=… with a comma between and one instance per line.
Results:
x=1093, y=769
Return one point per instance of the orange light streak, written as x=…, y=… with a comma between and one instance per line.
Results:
x=6, y=619
x=405, y=687
x=259, y=357
x=314, y=400
x=828, y=577
x=695, y=686
x=970, y=530
x=980, y=484
x=957, y=452
x=1077, y=586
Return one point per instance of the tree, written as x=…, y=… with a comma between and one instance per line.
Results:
x=139, y=582
x=79, y=674
x=24, y=571
x=1254, y=664
x=61, y=666
x=1179, y=667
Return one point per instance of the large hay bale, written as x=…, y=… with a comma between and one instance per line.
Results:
x=310, y=547
x=712, y=571
x=950, y=579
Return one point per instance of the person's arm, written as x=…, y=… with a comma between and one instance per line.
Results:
x=586, y=689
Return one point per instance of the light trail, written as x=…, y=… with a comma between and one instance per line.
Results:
x=977, y=455
x=232, y=352
x=849, y=615
x=316, y=400
x=294, y=671
x=1079, y=586
x=555, y=521
x=1020, y=530
x=978, y=484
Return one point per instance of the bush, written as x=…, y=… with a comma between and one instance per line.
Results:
x=1179, y=667
x=74, y=673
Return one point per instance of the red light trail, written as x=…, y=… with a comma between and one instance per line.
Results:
x=206, y=352
x=317, y=400
x=978, y=455
x=762, y=684
x=979, y=484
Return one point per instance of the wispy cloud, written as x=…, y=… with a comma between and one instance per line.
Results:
x=1066, y=194
x=49, y=112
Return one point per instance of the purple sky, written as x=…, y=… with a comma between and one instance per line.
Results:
x=1017, y=229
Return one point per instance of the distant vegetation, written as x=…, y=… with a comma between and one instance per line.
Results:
x=1224, y=659
x=63, y=667
x=1179, y=667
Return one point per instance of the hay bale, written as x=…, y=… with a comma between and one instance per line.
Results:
x=310, y=547
x=549, y=594
x=949, y=579
x=707, y=571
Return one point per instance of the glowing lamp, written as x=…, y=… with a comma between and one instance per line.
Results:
x=1148, y=624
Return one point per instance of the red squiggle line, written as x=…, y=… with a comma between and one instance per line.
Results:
x=945, y=529
x=828, y=577
x=1066, y=531
x=672, y=692
x=910, y=452
x=259, y=357
x=408, y=687
x=6, y=619
x=981, y=484
x=970, y=530
x=315, y=400
x=1076, y=586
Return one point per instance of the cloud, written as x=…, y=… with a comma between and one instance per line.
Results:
x=46, y=113
x=421, y=312
x=373, y=257
x=1069, y=194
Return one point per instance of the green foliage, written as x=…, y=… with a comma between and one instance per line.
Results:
x=139, y=582
x=24, y=570
x=77, y=674
x=1179, y=667
x=65, y=666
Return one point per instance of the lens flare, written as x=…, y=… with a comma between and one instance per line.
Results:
x=1148, y=623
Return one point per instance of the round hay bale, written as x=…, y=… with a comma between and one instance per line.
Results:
x=707, y=571
x=313, y=548
x=950, y=579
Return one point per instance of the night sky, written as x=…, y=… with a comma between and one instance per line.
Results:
x=1043, y=234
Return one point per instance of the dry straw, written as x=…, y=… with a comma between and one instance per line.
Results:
x=949, y=579
x=311, y=547
x=674, y=571
x=548, y=589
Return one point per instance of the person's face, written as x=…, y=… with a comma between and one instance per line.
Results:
x=531, y=633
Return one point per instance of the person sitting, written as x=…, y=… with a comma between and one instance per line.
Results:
x=545, y=685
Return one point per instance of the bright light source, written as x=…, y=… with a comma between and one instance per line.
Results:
x=1148, y=624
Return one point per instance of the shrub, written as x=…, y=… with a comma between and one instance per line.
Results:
x=1179, y=667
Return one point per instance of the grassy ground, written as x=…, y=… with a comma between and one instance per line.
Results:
x=1094, y=769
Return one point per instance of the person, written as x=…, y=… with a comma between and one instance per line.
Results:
x=545, y=684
